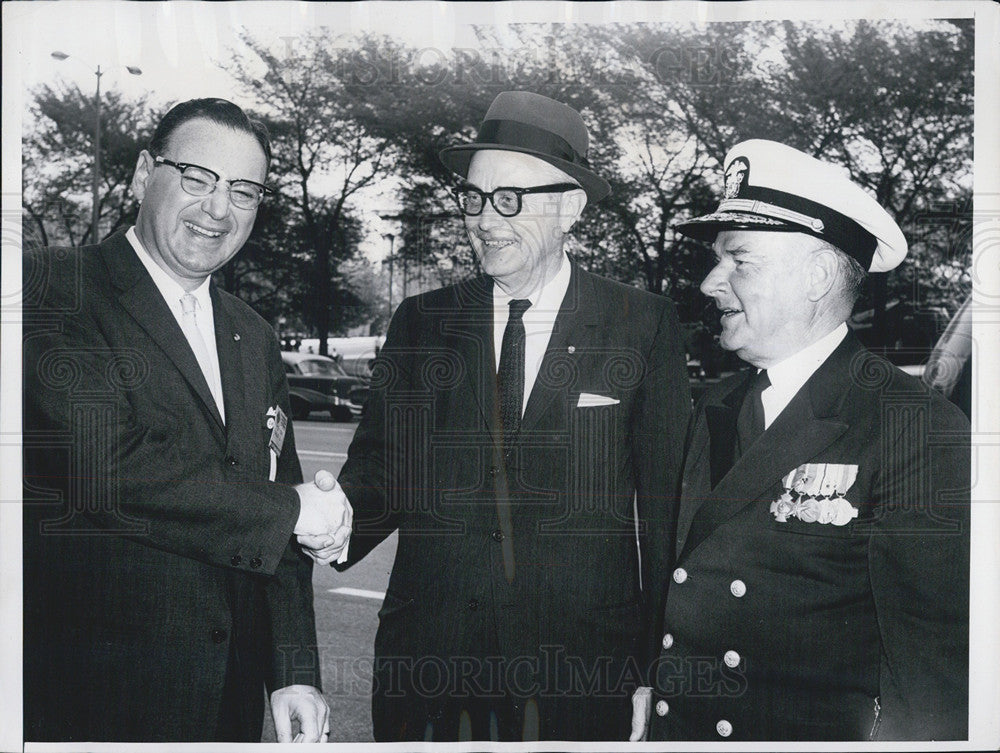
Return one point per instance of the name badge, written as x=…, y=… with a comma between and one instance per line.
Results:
x=280, y=425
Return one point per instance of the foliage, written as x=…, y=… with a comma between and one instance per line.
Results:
x=323, y=156
x=358, y=123
x=58, y=163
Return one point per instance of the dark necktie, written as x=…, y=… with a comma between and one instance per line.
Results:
x=750, y=423
x=510, y=375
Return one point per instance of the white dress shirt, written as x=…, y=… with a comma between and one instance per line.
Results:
x=788, y=376
x=539, y=321
x=172, y=293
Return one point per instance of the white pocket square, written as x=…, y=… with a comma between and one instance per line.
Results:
x=587, y=400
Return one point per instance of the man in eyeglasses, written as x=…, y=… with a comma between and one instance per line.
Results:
x=524, y=436
x=163, y=587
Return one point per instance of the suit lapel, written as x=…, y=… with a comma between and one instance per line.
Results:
x=721, y=420
x=140, y=297
x=468, y=329
x=701, y=474
x=810, y=423
x=234, y=368
x=575, y=325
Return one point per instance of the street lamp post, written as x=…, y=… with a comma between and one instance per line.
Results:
x=392, y=239
x=96, y=208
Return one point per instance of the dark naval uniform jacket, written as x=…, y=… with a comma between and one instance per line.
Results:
x=519, y=577
x=781, y=624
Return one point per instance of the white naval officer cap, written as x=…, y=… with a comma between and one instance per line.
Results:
x=770, y=186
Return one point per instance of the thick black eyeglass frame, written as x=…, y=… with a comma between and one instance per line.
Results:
x=182, y=166
x=519, y=192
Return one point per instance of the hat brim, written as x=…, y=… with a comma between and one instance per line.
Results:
x=457, y=159
x=708, y=226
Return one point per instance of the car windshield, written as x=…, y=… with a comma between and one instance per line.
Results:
x=320, y=367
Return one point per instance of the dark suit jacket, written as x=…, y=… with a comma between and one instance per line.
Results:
x=532, y=562
x=836, y=632
x=154, y=544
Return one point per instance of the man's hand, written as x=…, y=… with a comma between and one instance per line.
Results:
x=304, y=704
x=325, y=519
x=642, y=707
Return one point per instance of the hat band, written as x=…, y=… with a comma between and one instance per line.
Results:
x=816, y=219
x=524, y=136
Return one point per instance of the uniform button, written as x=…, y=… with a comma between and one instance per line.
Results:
x=236, y=561
x=218, y=636
x=662, y=707
x=732, y=659
x=724, y=728
x=231, y=461
x=737, y=588
x=497, y=535
x=680, y=575
x=668, y=640
x=256, y=562
x=493, y=471
x=473, y=604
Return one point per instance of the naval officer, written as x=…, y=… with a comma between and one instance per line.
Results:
x=821, y=585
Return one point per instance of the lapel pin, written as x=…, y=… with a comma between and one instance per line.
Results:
x=236, y=337
x=571, y=349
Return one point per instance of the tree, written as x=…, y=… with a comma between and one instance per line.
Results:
x=58, y=160
x=317, y=142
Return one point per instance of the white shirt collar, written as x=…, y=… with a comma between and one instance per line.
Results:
x=788, y=376
x=169, y=288
x=547, y=298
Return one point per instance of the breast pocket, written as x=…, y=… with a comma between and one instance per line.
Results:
x=597, y=425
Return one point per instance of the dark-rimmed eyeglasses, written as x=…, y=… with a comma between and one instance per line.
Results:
x=200, y=181
x=506, y=200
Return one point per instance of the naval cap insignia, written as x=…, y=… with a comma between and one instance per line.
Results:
x=735, y=174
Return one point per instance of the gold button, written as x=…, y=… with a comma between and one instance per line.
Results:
x=680, y=575
x=668, y=640
x=724, y=728
x=662, y=707
x=738, y=588
x=732, y=659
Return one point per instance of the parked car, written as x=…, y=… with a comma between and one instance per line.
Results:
x=318, y=383
x=354, y=354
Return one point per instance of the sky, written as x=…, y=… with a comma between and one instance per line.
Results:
x=180, y=45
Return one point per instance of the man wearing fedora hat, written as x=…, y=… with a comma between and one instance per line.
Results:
x=820, y=589
x=523, y=435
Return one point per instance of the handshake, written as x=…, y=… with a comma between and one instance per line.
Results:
x=325, y=518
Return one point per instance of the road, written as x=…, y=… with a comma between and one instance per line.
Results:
x=346, y=603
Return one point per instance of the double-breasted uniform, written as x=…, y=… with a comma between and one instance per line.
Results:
x=782, y=626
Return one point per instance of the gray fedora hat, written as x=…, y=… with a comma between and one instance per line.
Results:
x=533, y=124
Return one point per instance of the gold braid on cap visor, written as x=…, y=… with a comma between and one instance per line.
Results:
x=754, y=206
